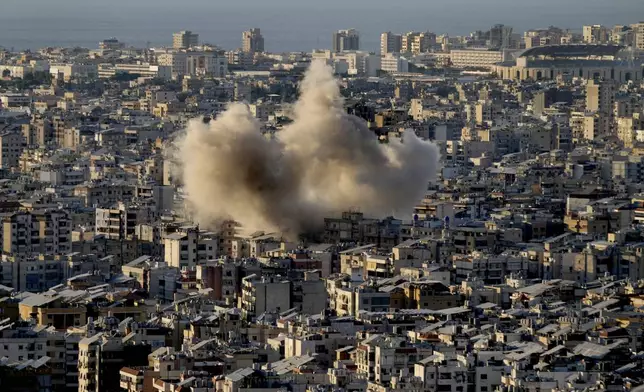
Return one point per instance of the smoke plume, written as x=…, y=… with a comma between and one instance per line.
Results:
x=323, y=163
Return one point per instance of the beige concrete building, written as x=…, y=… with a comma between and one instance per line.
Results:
x=46, y=232
x=390, y=43
x=416, y=42
x=188, y=247
x=638, y=28
x=253, y=41
x=476, y=58
x=596, y=34
x=185, y=39
x=120, y=223
x=600, y=100
x=191, y=63
x=627, y=128
x=600, y=96
x=11, y=147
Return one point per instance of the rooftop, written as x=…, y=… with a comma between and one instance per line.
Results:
x=576, y=50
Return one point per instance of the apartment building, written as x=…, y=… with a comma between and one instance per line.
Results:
x=22, y=342
x=39, y=132
x=394, y=63
x=185, y=39
x=381, y=357
x=476, y=58
x=489, y=268
x=324, y=345
x=189, y=247
x=345, y=40
x=417, y=42
x=101, y=358
x=390, y=43
x=103, y=194
x=37, y=232
x=253, y=41
x=638, y=28
x=120, y=223
x=596, y=34
x=11, y=147
x=183, y=62
x=264, y=294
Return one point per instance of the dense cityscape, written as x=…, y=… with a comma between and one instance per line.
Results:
x=449, y=214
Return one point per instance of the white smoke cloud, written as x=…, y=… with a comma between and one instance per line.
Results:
x=323, y=163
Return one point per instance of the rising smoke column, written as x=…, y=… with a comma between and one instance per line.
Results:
x=324, y=163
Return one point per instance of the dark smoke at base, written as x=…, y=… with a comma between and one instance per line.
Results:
x=322, y=164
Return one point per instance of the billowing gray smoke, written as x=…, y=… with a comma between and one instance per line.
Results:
x=324, y=163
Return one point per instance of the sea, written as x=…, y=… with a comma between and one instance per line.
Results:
x=287, y=25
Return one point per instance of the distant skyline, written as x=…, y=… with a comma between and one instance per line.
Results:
x=287, y=25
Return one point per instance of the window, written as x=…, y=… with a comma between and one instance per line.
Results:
x=483, y=389
x=483, y=376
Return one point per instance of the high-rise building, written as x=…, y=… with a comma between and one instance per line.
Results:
x=407, y=40
x=344, y=40
x=11, y=146
x=638, y=29
x=390, y=43
x=600, y=101
x=252, y=41
x=423, y=42
x=600, y=96
x=101, y=358
x=194, y=62
x=185, y=39
x=500, y=36
x=596, y=34
x=417, y=42
x=189, y=247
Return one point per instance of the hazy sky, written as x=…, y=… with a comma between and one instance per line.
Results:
x=287, y=24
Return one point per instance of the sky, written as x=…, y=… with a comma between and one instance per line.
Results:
x=286, y=24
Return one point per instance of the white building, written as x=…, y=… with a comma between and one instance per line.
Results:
x=143, y=70
x=476, y=58
x=393, y=63
x=194, y=62
x=71, y=71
